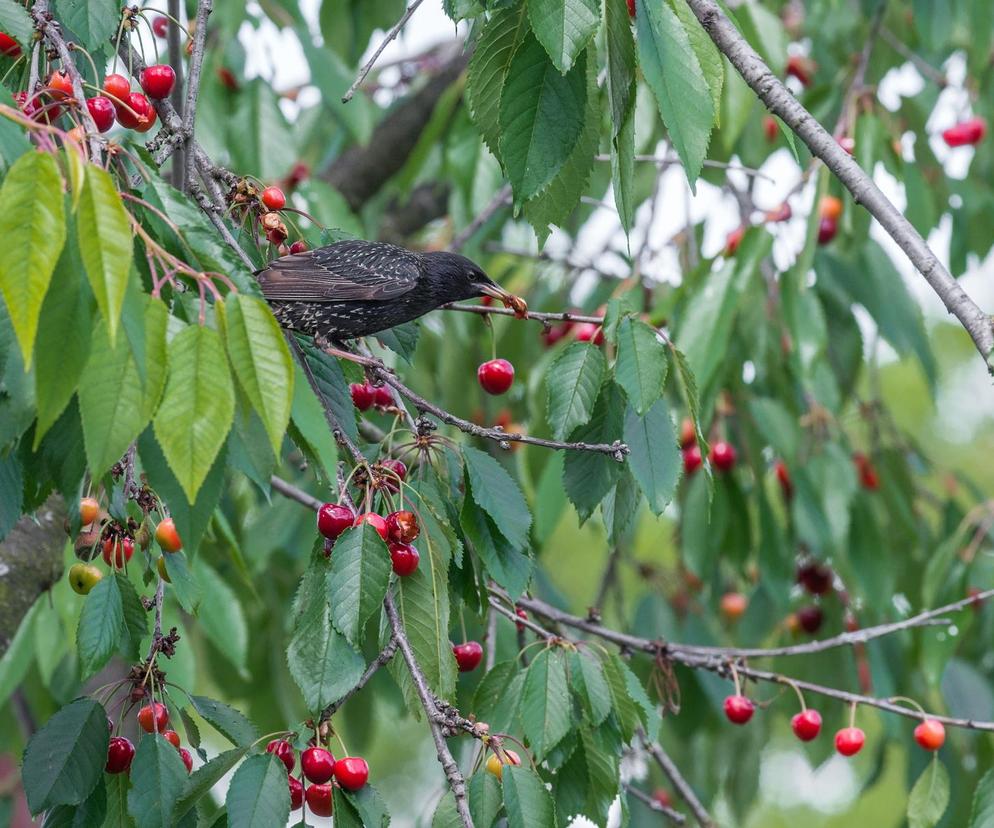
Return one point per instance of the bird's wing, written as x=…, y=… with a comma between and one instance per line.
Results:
x=348, y=270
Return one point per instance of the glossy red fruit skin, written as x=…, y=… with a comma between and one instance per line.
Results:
x=524, y=616
x=299, y=246
x=374, y=520
x=930, y=734
x=468, y=655
x=187, y=758
x=117, y=88
x=383, y=397
x=631, y=8
x=118, y=551
x=273, y=198
x=692, y=459
x=120, y=752
x=317, y=764
x=154, y=718
x=770, y=128
x=816, y=578
x=283, y=751
x=167, y=537
x=405, y=559
x=849, y=741
x=402, y=527
x=688, y=434
x=352, y=772
x=296, y=793
x=172, y=737
x=334, y=518
x=723, y=456
x=733, y=240
x=589, y=332
x=739, y=709
x=495, y=376
x=810, y=618
x=160, y=26
x=102, y=112
x=362, y=395
x=157, y=80
x=662, y=797
x=806, y=725
x=139, y=114
x=828, y=228
x=966, y=133
x=8, y=46
x=799, y=67
x=60, y=84
x=319, y=799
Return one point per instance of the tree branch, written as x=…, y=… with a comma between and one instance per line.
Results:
x=204, y=9
x=381, y=660
x=682, y=786
x=390, y=35
x=673, y=816
x=780, y=101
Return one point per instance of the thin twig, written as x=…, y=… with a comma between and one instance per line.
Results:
x=922, y=65
x=287, y=489
x=666, y=161
x=682, y=786
x=204, y=9
x=390, y=35
x=674, y=816
x=381, y=660
x=178, y=175
x=499, y=200
x=856, y=85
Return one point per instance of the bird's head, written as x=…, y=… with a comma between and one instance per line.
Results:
x=463, y=278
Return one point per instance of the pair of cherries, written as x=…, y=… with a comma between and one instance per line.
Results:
x=399, y=529
x=319, y=767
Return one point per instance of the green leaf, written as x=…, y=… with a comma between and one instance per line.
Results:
x=17, y=23
x=564, y=27
x=498, y=495
x=262, y=362
x=982, y=811
x=574, y=379
x=19, y=654
x=94, y=21
x=105, y=243
x=135, y=617
x=528, y=803
x=498, y=695
x=64, y=761
x=345, y=814
x=227, y=721
x=157, y=780
x=332, y=387
x=11, y=492
x=587, y=682
x=114, y=404
x=206, y=777
x=541, y=117
x=509, y=567
x=620, y=58
x=358, y=580
x=117, y=785
x=623, y=171
x=545, y=702
x=198, y=406
x=91, y=814
x=488, y=69
x=641, y=365
x=369, y=806
x=33, y=227
x=100, y=625
x=707, y=53
x=677, y=81
x=485, y=802
x=929, y=797
x=655, y=458
x=588, y=476
x=623, y=706
x=258, y=796
x=311, y=425
x=222, y=616
x=322, y=662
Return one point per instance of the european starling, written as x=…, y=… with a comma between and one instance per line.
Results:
x=355, y=288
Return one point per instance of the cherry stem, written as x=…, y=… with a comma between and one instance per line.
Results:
x=338, y=736
x=852, y=715
x=910, y=702
x=735, y=678
x=75, y=47
x=796, y=689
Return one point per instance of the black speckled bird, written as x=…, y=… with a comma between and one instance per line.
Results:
x=354, y=288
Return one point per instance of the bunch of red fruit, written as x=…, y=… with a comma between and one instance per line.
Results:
x=967, y=133
x=152, y=718
x=321, y=769
x=829, y=211
x=722, y=455
x=134, y=110
x=367, y=395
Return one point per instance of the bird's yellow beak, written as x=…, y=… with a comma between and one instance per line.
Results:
x=516, y=303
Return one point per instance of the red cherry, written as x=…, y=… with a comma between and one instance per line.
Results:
x=167, y=537
x=827, y=230
x=849, y=741
x=398, y=467
x=351, y=772
x=89, y=510
x=402, y=527
x=810, y=618
x=334, y=518
x=298, y=174
x=631, y=8
x=227, y=78
x=739, y=709
x=847, y=143
x=160, y=26
x=136, y=112
x=783, y=478
x=722, y=456
x=733, y=605
x=296, y=793
x=495, y=376
x=801, y=68
x=317, y=764
x=868, y=477
x=172, y=737
x=319, y=799
x=118, y=551
x=733, y=240
x=806, y=724
x=157, y=80
x=9, y=46
x=816, y=578
x=692, y=459
x=299, y=246
x=781, y=213
x=187, y=759
x=273, y=198
x=102, y=112
x=522, y=615
x=37, y=109
x=362, y=395
x=930, y=734
x=383, y=396
x=153, y=718
x=688, y=434
x=283, y=750
x=468, y=655
x=60, y=84
x=120, y=752
x=770, y=128
x=117, y=88
x=966, y=133
x=405, y=558
x=662, y=797
x=589, y=332
x=374, y=520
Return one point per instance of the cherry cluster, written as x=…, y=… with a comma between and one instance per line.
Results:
x=722, y=455
x=320, y=768
x=152, y=718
